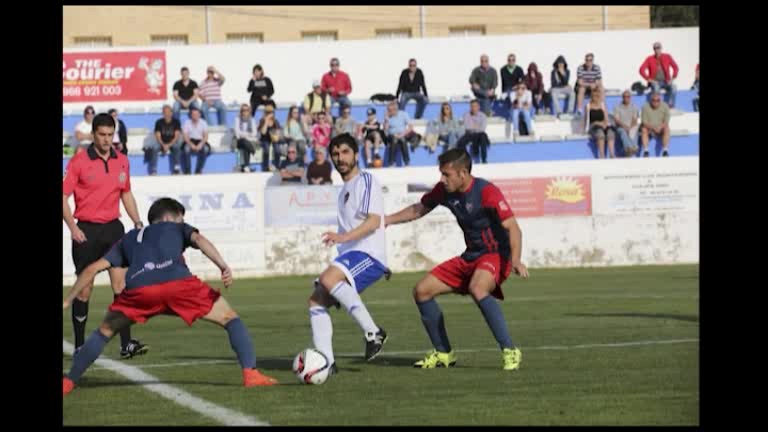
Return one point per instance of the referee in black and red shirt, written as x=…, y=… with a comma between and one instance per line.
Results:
x=99, y=178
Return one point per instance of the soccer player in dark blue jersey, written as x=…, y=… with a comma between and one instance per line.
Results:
x=158, y=282
x=494, y=242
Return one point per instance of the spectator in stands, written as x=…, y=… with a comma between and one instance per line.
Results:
x=625, y=117
x=84, y=129
x=511, y=76
x=120, y=138
x=410, y=86
x=654, y=121
x=167, y=139
x=292, y=167
x=447, y=129
x=271, y=138
x=210, y=93
x=315, y=102
x=534, y=81
x=397, y=125
x=522, y=103
x=247, y=136
x=185, y=94
x=475, y=123
x=319, y=171
x=321, y=131
x=295, y=134
x=588, y=78
x=597, y=123
x=559, y=78
x=261, y=90
x=195, y=131
x=345, y=123
x=484, y=82
x=696, y=87
x=371, y=133
x=337, y=83
x=656, y=70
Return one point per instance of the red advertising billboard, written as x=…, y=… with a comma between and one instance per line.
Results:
x=114, y=76
x=548, y=196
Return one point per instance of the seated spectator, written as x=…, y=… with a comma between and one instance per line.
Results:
x=534, y=81
x=484, y=82
x=271, y=138
x=195, y=141
x=397, y=126
x=625, y=117
x=511, y=76
x=315, y=102
x=371, y=134
x=522, y=100
x=475, y=123
x=120, y=138
x=292, y=167
x=445, y=128
x=654, y=121
x=185, y=94
x=84, y=129
x=210, y=93
x=321, y=131
x=319, y=170
x=337, y=84
x=294, y=133
x=345, y=123
x=247, y=136
x=597, y=123
x=261, y=90
x=410, y=86
x=696, y=87
x=167, y=139
x=656, y=70
x=559, y=78
x=588, y=78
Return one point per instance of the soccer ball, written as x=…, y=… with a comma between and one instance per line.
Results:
x=311, y=366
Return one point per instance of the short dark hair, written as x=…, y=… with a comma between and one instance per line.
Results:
x=184, y=68
x=194, y=108
x=102, y=119
x=111, y=111
x=257, y=68
x=474, y=101
x=344, y=138
x=165, y=206
x=412, y=60
x=458, y=157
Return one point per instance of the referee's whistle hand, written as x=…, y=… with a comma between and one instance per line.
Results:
x=78, y=235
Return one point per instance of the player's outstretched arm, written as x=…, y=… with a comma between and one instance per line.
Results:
x=210, y=251
x=85, y=278
x=516, y=245
x=369, y=225
x=410, y=213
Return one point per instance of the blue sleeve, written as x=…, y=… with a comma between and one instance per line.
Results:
x=117, y=256
x=187, y=231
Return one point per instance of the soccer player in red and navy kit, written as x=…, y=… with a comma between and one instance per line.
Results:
x=494, y=243
x=159, y=282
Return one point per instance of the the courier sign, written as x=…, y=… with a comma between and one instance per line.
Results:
x=114, y=76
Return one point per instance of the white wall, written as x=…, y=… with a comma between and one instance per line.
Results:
x=374, y=65
x=644, y=211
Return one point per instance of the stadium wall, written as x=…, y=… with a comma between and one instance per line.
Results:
x=374, y=65
x=572, y=213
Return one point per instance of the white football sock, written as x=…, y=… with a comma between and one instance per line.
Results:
x=350, y=299
x=322, y=331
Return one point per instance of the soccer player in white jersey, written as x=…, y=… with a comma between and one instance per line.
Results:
x=362, y=256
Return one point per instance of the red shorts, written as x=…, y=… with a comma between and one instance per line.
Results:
x=189, y=298
x=457, y=273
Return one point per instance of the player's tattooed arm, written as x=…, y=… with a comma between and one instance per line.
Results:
x=85, y=278
x=210, y=251
x=410, y=213
x=516, y=246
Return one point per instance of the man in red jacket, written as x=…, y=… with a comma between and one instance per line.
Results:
x=337, y=84
x=656, y=70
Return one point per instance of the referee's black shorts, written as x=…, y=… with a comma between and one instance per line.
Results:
x=100, y=237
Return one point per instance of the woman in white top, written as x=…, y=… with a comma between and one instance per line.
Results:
x=84, y=129
x=247, y=136
x=294, y=133
x=521, y=103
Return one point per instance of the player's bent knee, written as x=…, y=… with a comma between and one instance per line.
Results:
x=106, y=330
x=478, y=291
x=422, y=292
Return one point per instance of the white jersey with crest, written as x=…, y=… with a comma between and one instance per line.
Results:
x=358, y=198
